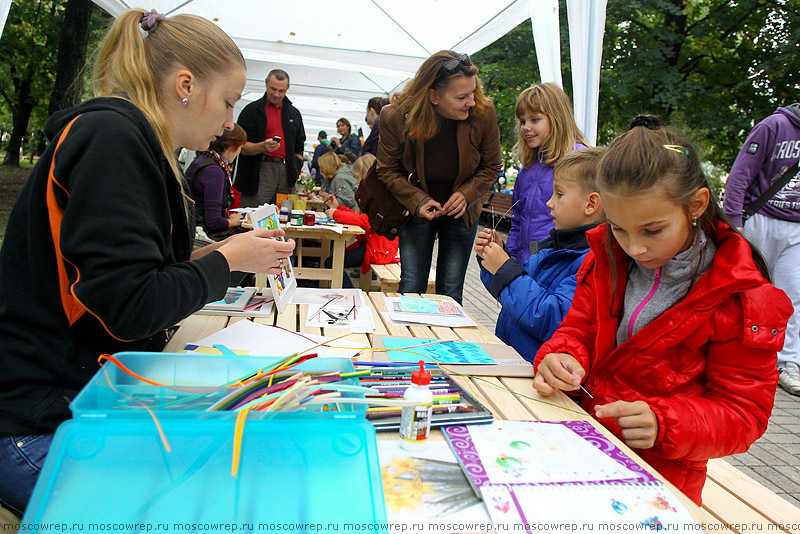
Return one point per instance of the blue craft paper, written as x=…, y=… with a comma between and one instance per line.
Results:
x=463, y=352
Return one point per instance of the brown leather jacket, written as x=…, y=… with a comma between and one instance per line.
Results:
x=401, y=162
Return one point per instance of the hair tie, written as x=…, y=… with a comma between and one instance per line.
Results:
x=648, y=121
x=151, y=20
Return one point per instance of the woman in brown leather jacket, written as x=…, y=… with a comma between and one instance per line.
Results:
x=439, y=153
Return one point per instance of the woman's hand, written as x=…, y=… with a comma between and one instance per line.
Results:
x=637, y=421
x=493, y=257
x=335, y=142
x=558, y=371
x=257, y=251
x=430, y=210
x=456, y=205
x=234, y=220
x=332, y=201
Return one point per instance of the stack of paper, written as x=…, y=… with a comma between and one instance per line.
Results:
x=440, y=312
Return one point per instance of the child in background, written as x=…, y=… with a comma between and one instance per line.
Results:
x=674, y=327
x=369, y=248
x=546, y=131
x=337, y=180
x=537, y=296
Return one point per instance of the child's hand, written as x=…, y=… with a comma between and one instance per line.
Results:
x=636, y=419
x=329, y=213
x=486, y=236
x=558, y=371
x=493, y=257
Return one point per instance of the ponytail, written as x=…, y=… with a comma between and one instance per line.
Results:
x=132, y=62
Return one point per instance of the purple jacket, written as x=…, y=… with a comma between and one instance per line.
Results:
x=207, y=185
x=531, y=220
x=772, y=146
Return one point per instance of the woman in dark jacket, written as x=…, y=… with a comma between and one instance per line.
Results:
x=210, y=183
x=439, y=153
x=348, y=142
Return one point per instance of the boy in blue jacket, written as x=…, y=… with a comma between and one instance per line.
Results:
x=537, y=296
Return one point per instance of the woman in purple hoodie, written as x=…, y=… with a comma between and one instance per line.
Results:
x=546, y=131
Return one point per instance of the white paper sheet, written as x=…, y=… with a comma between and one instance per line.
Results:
x=254, y=339
x=319, y=296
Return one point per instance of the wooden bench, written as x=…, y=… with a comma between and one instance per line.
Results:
x=497, y=205
x=389, y=278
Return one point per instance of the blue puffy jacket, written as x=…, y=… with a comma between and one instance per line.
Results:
x=531, y=220
x=536, y=297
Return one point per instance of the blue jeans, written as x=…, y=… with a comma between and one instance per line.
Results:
x=21, y=461
x=455, y=251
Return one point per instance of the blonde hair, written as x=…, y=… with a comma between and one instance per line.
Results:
x=362, y=165
x=329, y=163
x=132, y=65
x=551, y=100
x=581, y=166
x=422, y=122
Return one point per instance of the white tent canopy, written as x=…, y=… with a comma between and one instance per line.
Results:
x=340, y=55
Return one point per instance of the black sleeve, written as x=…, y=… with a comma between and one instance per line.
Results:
x=116, y=232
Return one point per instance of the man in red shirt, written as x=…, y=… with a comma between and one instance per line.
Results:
x=272, y=158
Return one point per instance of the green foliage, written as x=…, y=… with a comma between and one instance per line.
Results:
x=28, y=51
x=708, y=68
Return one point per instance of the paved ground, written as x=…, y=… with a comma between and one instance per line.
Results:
x=774, y=460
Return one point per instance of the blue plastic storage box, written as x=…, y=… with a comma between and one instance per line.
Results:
x=198, y=378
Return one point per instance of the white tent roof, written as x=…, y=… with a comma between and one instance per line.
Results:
x=339, y=55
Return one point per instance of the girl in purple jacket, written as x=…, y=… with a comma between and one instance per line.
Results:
x=546, y=131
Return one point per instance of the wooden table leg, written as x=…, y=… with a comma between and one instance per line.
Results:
x=338, y=263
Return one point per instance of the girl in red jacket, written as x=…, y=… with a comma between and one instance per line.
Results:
x=369, y=248
x=674, y=327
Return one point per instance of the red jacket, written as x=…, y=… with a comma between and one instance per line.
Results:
x=380, y=250
x=706, y=366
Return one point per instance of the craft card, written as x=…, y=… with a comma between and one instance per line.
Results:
x=358, y=319
x=285, y=282
x=436, y=350
x=584, y=507
x=427, y=488
x=396, y=313
x=530, y=452
x=429, y=306
x=235, y=299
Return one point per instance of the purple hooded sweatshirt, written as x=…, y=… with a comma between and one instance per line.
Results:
x=531, y=220
x=772, y=146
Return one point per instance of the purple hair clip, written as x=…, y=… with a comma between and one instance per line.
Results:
x=151, y=20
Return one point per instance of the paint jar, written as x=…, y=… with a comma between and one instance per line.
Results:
x=296, y=218
x=309, y=218
x=283, y=217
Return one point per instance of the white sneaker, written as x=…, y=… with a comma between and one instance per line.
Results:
x=789, y=378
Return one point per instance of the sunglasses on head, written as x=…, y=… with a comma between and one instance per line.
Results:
x=452, y=66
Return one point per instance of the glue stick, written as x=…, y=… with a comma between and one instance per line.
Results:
x=415, y=422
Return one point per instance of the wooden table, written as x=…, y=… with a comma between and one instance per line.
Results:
x=732, y=502
x=328, y=240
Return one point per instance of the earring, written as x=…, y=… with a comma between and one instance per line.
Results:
x=185, y=102
x=694, y=222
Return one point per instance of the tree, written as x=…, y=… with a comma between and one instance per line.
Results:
x=28, y=47
x=710, y=68
x=68, y=85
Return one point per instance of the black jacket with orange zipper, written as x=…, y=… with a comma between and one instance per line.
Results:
x=95, y=260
